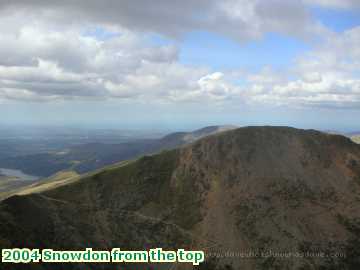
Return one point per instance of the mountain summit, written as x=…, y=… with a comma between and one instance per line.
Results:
x=264, y=191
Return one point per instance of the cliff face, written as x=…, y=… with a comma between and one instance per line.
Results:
x=256, y=189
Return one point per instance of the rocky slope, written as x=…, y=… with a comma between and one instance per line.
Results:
x=245, y=191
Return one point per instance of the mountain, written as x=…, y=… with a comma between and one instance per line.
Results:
x=354, y=136
x=257, y=189
x=91, y=156
x=8, y=183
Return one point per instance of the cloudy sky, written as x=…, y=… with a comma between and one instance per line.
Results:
x=180, y=64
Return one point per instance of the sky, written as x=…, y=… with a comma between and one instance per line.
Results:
x=180, y=64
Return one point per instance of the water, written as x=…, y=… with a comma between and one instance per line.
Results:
x=18, y=174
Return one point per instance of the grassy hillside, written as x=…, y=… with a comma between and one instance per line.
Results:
x=10, y=186
x=356, y=138
x=10, y=183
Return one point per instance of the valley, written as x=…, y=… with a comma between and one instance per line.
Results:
x=49, y=156
x=17, y=174
x=86, y=157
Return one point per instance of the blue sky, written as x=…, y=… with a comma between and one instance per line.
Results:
x=241, y=62
x=337, y=20
x=202, y=48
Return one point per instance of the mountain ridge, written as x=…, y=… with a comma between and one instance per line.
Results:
x=253, y=188
x=91, y=156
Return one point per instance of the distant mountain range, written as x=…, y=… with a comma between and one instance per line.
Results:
x=265, y=190
x=91, y=156
x=355, y=135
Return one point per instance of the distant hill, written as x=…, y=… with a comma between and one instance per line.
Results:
x=356, y=138
x=10, y=186
x=11, y=183
x=355, y=135
x=87, y=157
x=255, y=189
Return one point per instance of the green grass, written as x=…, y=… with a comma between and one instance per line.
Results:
x=356, y=138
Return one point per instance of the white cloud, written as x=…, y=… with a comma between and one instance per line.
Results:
x=327, y=76
x=214, y=85
x=342, y=4
x=43, y=62
x=242, y=20
x=47, y=60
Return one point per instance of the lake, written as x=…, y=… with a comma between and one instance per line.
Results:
x=18, y=174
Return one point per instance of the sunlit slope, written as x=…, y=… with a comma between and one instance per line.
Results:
x=356, y=138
